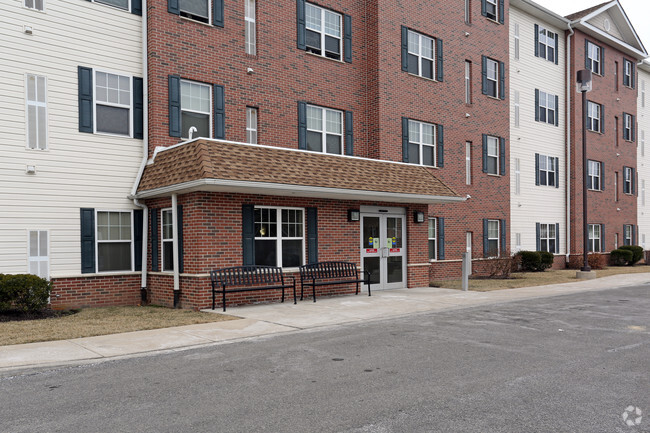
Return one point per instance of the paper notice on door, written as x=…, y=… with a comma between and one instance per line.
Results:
x=375, y=243
x=389, y=243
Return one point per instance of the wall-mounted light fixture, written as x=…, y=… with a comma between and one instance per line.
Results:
x=354, y=215
x=418, y=217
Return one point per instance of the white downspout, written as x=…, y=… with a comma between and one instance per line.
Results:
x=567, y=115
x=177, y=274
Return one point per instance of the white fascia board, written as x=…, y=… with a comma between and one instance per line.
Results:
x=601, y=35
x=541, y=12
x=265, y=188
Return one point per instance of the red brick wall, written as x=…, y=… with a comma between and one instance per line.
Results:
x=602, y=207
x=97, y=291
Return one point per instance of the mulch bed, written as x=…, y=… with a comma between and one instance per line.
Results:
x=17, y=315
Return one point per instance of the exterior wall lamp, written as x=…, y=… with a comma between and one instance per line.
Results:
x=354, y=215
x=418, y=217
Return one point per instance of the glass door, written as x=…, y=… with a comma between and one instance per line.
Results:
x=383, y=250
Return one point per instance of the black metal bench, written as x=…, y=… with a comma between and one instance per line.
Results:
x=330, y=273
x=247, y=279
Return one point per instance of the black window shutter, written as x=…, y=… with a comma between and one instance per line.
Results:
x=537, y=169
x=405, y=49
x=485, y=161
x=485, y=237
x=557, y=110
x=602, y=63
x=301, y=28
x=633, y=75
x=219, y=112
x=632, y=127
x=405, y=139
x=602, y=176
x=536, y=105
x=556, y=48
x=501, y=11
x=173, y=7
x=85, y=99
x=217, y=13
x=538, y=245
x=302, y=125
x=536, y=40
x=347, y=38
x=137, y=238
x=503, y=236
x=174, y=106
x=349, y=134
x=441, y=238
x=633, y=239
x=602, y=237
x=587, y=62
x=136, y=7
x=441, y=146
x=439, y=68
x=87, y=241
x=483, y=8
x=312, y=235
x=557, y=238
x=502, y=80
x=248, y=234
x=602, y=119
x=155, y=266
x=484, y=87
x=179, y=224
x=502, y=156
x=633, y=181
x=624, y=239
x=138, y=108
x=557, y=172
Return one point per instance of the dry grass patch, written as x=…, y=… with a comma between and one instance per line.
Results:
x=528, y=279
x=101, y=321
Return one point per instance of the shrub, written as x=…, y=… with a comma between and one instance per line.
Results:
x=547, y=260
x=499, y=267
x=596, y=261
x=637, y=252
x=529, y=261
x=620, y=257
x=24, y=292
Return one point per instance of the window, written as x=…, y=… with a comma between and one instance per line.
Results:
x=36, y=112
x=198, y=10
x=616, y=76
x=468, y=12
x=323, y=32
x=468, y=82
x=593, y=116
x=433, y=238
x=628, y=180
x=196, y=101
x=468, y=163
x=546, y=44
x=112, y=103
x=627, y=234
x=547, y=170
x=517, y=176
x=492, y=78
x=492, y=155
x=546, y=107
x=324, y=130
x=114, y=246
x=594, y=238
x=422, y=139
x=279, y=237
x=122, y=4
x=517, y=112
x=167, y=236
x=593, y=175
x=593, y=58
x=516, y=41
x=493, y=238
x=250, y=27
x=616, y=186
x=628, y=127
x=39, y=5
x=616, y=131
x=548, y=238
x=38, y=256
x=251, y=125
x=628, y=73
x=491, y=9
x=421, y=55
x=517, y=241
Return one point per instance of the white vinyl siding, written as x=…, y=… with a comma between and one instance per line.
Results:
x=643, y=162
x=36, y=91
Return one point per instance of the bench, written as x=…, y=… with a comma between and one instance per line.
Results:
x=247, y=279
x=330, y=273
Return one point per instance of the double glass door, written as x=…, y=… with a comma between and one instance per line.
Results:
x=383, y=250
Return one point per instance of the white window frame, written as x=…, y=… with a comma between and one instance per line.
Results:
x=33, y=7
x=495, y=140
x=548, y=170
x=544, y=38
x=322, y=31
x=494, y=3
x=421, y=144
x=492, y=74
x=433, y=222
x=498, y=238
x=97, y=241
x=324, y=132
x=627, y=73
x=250, y=30
x=204, y=20
x=592, y=229
x=279, y=238
x=37, y=104
x=185, y=134
x=594, y=116
x=627, y=234
x=547, y=105
x=163, y=239
x=593, y=176
x=468, y=82
x=96, y=102
x=593, y=53
x=419, y=54
x=38, y=258
x=627, y=127
x=627, y=180
x=545, y=241
x=251, y=125
x=128, y=6
x=468, y=12
x=468, y=163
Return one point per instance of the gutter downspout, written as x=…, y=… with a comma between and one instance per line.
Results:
x=177, y=286
x=567, y=115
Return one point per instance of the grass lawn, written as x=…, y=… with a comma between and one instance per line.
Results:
x=527, y=279
x=101, y=321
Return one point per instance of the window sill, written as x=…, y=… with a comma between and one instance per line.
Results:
x=195, y=21
x=322, y=57
x=424, y=78
x=493, y=174
x=594, y=190
x=108, y=134
x=493, y=20
x=495, y=98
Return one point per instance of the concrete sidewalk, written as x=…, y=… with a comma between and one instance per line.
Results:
x=261, y=320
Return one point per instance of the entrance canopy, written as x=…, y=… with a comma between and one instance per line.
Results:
x=222, y=166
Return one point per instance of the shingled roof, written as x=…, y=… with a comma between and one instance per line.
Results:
x=584, y=13
x=204, y=165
